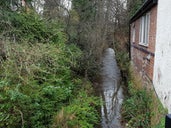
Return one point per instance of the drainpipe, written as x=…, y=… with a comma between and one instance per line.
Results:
x=168, y=121
x=129, y=41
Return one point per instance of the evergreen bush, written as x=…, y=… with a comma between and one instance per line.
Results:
x=38, y=78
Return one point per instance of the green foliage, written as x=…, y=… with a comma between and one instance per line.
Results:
x=36, y=83
x=141, y=108
x=80, y=113
x=5, y=5
x=30, y=27
x=158, y=114
x=136, y=109
x=161, y=123
x=38, y=78
x=123, y=59
x=85, y=8
x=133, y=6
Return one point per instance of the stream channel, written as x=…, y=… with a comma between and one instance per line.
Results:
x=110, y=91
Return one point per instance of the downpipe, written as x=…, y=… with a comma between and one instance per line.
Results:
x=168, y=121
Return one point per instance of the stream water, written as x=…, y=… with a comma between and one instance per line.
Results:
x=110, y=91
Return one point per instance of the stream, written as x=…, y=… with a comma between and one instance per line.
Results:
x=110, y=91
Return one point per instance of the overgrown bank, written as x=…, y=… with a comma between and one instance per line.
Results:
x=141, y=108
x=39, y=84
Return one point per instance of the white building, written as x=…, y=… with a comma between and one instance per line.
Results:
x=162, y=63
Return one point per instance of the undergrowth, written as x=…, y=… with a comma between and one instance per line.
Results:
x=37, y=82
x=141, y=108
x=39, y=87
x=79, y=114
x=136, y=107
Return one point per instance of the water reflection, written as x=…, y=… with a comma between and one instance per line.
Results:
x=111, y=91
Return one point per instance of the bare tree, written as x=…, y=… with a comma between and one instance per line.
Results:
x=98, y=21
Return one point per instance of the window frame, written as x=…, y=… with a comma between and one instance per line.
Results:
x=144, y=29
x=133, y=33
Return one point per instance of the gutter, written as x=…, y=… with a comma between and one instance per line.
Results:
x=129, y=42
x=143, y=9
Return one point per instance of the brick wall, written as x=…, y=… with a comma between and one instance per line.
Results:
x=142, y=56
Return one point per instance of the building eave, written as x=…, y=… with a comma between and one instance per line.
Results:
x=143, y=9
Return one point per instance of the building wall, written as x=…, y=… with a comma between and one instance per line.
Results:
x=162, y=67
x=142, y=56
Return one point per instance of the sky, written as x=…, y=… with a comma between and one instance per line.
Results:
x=38, y=5
x=67, y=4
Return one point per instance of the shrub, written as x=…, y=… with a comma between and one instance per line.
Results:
x=36, y=82
x=30, y=27
x=38, y=78
x=81, y=113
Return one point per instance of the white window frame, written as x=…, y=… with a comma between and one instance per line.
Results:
x=133, y=33
x=144, y=29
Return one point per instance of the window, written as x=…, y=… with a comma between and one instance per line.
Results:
x=133, y=33
x=144, y=29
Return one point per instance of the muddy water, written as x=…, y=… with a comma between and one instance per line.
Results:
x=110, y=91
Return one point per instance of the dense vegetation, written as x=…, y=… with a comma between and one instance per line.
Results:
x=39, y=85
x=141, y=107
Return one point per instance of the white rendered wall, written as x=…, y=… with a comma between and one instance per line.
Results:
x=162, y=64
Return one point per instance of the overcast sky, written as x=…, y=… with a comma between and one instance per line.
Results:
x=68, y=4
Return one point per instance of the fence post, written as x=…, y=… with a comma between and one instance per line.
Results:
x=168, y=121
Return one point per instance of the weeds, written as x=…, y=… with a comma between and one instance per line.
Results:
x=141, y=108
x=136, y=109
